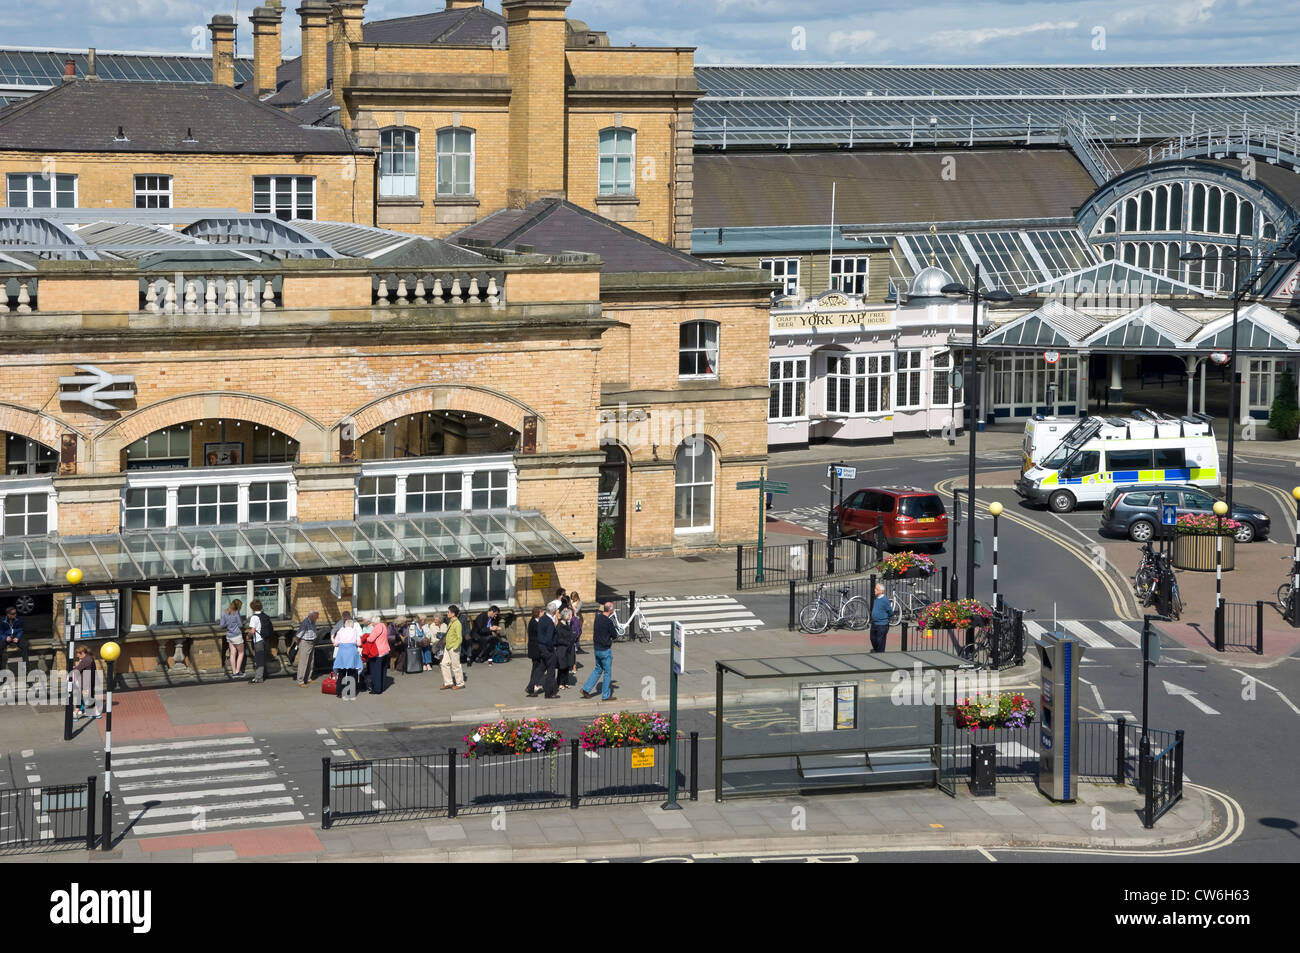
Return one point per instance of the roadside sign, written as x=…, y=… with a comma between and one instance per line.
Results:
x=643, y=757
x=844, y=473
x=1219, y=357
x=679, y=648
x=1051, y=357
x=1168, y=514
x=955, y=380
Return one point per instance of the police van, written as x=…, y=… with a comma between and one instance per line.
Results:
x=1103, y=453
x=1044, y=434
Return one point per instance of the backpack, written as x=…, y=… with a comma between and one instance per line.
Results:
x=268, y=630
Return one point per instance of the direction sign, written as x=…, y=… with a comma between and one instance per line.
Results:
x=769, y=485
x=679, y=648
x=844, y=473
x=1168, y=514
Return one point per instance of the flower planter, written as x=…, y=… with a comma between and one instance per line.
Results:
x=910, y=574
x=1197, y=552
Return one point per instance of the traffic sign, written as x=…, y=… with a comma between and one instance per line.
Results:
x=1168, y=514
x=1051, y=357
x=844, y=473
x=768, y=485
x=955, y=380
x=1219, y=357
x=679, y=648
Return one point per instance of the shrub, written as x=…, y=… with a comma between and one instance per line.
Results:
x=1284, y=417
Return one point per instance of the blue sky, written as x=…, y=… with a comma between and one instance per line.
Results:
x=1086, y=32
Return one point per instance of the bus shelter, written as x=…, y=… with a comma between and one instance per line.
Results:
x=845, y=721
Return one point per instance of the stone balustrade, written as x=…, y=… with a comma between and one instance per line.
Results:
x=438, y=288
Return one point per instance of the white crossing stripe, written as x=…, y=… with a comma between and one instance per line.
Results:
x=701, y=614
x=199, y=785
x=1085, y=634
x=1125, y=631
x=1035, y=630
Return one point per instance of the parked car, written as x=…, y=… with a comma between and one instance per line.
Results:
x=1134, y=511
x=906, y=517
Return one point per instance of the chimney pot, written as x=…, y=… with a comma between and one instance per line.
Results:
x=69, y=70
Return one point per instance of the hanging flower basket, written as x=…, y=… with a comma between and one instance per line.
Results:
x=512, y=736
x=905, y=565
x=994, y=711
x=625, y=730
x=947, y=614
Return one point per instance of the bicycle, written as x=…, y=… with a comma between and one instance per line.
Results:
x=636, y=624
x=908, y=605
x=1144, y=579
x=1168, y=600
x=820, y=614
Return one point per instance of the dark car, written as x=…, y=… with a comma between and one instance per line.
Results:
x=905, y=517
x=1134, y=511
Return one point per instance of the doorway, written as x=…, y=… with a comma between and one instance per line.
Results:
x=611, y=500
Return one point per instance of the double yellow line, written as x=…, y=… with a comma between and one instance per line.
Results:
x=1116, y=585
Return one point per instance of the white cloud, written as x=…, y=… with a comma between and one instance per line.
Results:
x=961, y=39
x=855, y=41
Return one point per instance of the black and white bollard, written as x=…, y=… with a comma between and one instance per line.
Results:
x=1295, y=562
x=1220, y=509
x=995, y=509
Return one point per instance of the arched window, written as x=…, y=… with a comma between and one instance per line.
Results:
x=399, y=163
x=1162, y=209
x=1214, y=211
x=1246, y=218
x=1145, y=223
x=698, y=349
x=617, y=161
x=1175, y=207
x=1198, y=207
x=455, y=156
x=1229, y=213
x=25, y=457
x=693, y=509
x=1131, y=215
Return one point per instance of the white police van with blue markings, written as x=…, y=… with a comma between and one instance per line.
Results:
x=1106, y=453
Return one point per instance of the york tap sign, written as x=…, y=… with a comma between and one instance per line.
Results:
x=95, y=387
x=832, y=312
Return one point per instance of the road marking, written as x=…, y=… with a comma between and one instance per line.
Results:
x=284, y=817
x=153, y=784
x=1125, y=632
x=197, y=756
x=987, y=856
x=29, y=752
x=197, y=810
x=1275, y=691
x=1190, y=695
x=182, y=745
x=187, y=769
x=212, y=792
x=1085, y=635
x=1101, y=706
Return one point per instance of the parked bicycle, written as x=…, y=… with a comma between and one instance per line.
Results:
x=1156, y=584
x=635, y=627
x=820, y=614
x=1286, y=596
x=908, y=603
x=1144, y=579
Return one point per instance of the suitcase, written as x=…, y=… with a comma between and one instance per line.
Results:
x=414, y=657
x=329, y=685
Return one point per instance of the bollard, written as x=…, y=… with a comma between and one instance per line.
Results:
x=1219, y=635
x=90, y=812
x=1259, y=627
x=1121, y=748
x=451, y=782
x=904, y=630
x=740, y=568
x=695, y=766
x=809, y=560
x=793, y=619
x=325, y=818
x=573, y=774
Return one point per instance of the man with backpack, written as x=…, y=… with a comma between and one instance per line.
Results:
x=260, y=624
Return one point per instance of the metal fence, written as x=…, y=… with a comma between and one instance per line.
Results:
x=1165, y=787
x=51, y=816
x=1104, y=751
x=807, y=561
x=923, y=590
x=1239, y=625
x=1006, y=638
x=391, y=789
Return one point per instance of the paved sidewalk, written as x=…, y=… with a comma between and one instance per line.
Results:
x=1104, y=817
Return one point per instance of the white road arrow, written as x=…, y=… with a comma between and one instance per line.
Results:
x=1190, y=695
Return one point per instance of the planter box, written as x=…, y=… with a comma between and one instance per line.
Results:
x=910, y=574
x=1197, y=552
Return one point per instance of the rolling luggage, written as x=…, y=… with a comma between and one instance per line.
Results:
x=414, y=659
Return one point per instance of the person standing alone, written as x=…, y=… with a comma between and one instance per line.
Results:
x=881, y=610
x=452, y=675
x=602, y=642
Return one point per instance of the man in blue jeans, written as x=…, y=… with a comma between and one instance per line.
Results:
x=881, y=610
x=602, y=641
x=11, y=636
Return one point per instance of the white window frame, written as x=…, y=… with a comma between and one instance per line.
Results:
x=243, y=477
x=702, y=348
x=226, y=592
x=787, y=381
x=158, y=194
x=941, y=364
x=909, y=375
x=1263, y=373
x=441, y=155
x=466, y=466
x=28, y=191
x=276, y=187
x=789, y=268
x=858, y=369
x=408, y=179
x=711, y=483
x=608, y=150
x=854, y=268
x=30, y=486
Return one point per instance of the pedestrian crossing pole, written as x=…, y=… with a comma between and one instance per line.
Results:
x=74, y=578
x=995, y=508
x=1295, y=563
x=1220, y=509
x=109, y=653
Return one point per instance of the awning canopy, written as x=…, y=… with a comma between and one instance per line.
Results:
x=281, y=550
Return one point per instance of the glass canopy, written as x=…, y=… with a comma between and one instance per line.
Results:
x=390, y=544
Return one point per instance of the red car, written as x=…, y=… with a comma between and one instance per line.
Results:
x=907, y=517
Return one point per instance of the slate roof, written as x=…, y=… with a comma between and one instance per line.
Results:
x=471, y=26
x=555, y=226
x=747, y=190
x=84, y=116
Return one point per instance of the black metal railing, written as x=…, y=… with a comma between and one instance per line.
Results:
x=1239, y=625
x=1165, y=788
x=450, y=784
x=50, y=816
x=1006, y=637
x=806, y=561
x=921, y=590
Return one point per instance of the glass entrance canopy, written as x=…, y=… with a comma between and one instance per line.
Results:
x=387, y=544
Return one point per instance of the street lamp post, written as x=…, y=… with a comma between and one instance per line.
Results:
x=1220, y=510
x=74, y=577
x=1295, y=564
x=109, y=653
x=957, y=290
x=995, y=510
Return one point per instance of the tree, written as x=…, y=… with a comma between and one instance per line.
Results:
x=1285, y=414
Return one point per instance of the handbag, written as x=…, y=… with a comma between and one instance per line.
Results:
x=329, y=685
x=369, y=650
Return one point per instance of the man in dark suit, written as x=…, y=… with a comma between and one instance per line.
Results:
x=484, y=632
x=546, y=645
x=538, y=673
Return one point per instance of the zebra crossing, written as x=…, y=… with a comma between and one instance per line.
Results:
x=701, y=615
x=1096, y=634
x=200, y=785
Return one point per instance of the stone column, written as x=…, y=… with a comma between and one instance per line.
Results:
x=1116, y=392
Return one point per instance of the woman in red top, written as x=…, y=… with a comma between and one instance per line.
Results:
x=375, y=650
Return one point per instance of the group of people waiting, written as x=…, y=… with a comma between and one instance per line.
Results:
x=553, y=636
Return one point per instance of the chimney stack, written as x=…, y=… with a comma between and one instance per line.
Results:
x=90, y=64
x=345, y=30
x=537, y=33
x=222, y=29
x=315, y=38
x=462, y=4
x=69, y=70
x=266, y=48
